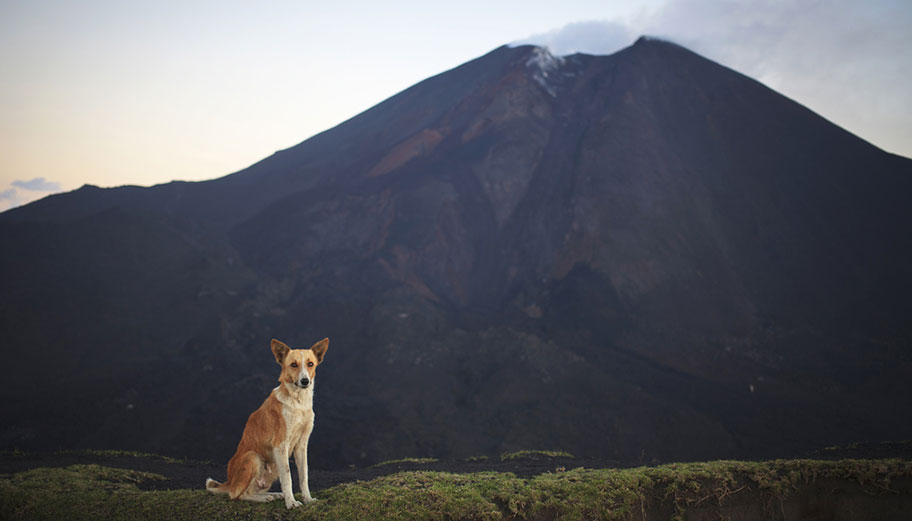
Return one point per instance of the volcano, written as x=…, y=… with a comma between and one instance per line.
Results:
x=638, y=257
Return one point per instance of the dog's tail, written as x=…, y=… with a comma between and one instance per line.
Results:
x=215, y=487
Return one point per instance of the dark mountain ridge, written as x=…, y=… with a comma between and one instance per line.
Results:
x=637, y=256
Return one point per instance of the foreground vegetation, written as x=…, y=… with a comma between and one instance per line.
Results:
x=662, y=492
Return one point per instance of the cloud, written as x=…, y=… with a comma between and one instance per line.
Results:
x=843, y=59
x=595, y=37
x=28, y=191
x=38, y=184
x=814, y=38
x=9, y=199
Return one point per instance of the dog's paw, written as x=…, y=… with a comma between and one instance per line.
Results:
x=294, y=503
x=309, y=499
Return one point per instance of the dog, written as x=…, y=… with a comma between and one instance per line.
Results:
x=281, y=426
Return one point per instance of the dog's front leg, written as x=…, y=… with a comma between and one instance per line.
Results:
x=280, y=455
x=300, y=454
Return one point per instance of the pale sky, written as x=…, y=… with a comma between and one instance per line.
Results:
x=128, y=92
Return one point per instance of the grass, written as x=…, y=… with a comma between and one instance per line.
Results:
x=95, y=492
x=103, y=453
x=535, y=454
x=418, y=461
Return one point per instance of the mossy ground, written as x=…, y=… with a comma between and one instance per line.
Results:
x=96, y=492
x=535, y=454
x=418, y=461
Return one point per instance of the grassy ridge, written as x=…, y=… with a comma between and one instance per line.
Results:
x=95, y=492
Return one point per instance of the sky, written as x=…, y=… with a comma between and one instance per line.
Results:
x=137, y=92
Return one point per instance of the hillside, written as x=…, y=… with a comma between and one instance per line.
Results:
x=641, y=257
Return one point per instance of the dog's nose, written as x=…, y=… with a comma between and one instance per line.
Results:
x=304, y=382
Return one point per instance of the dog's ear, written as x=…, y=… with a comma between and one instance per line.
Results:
x=319, y=349
x=279, y=350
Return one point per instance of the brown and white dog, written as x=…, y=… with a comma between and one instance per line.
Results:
x=281, y=426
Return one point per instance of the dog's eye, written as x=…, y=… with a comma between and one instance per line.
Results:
x=294, y=364
x=310, y=364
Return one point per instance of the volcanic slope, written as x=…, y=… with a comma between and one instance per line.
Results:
x=637, y=257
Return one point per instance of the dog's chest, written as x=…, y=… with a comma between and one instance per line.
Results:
x=298, y=415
